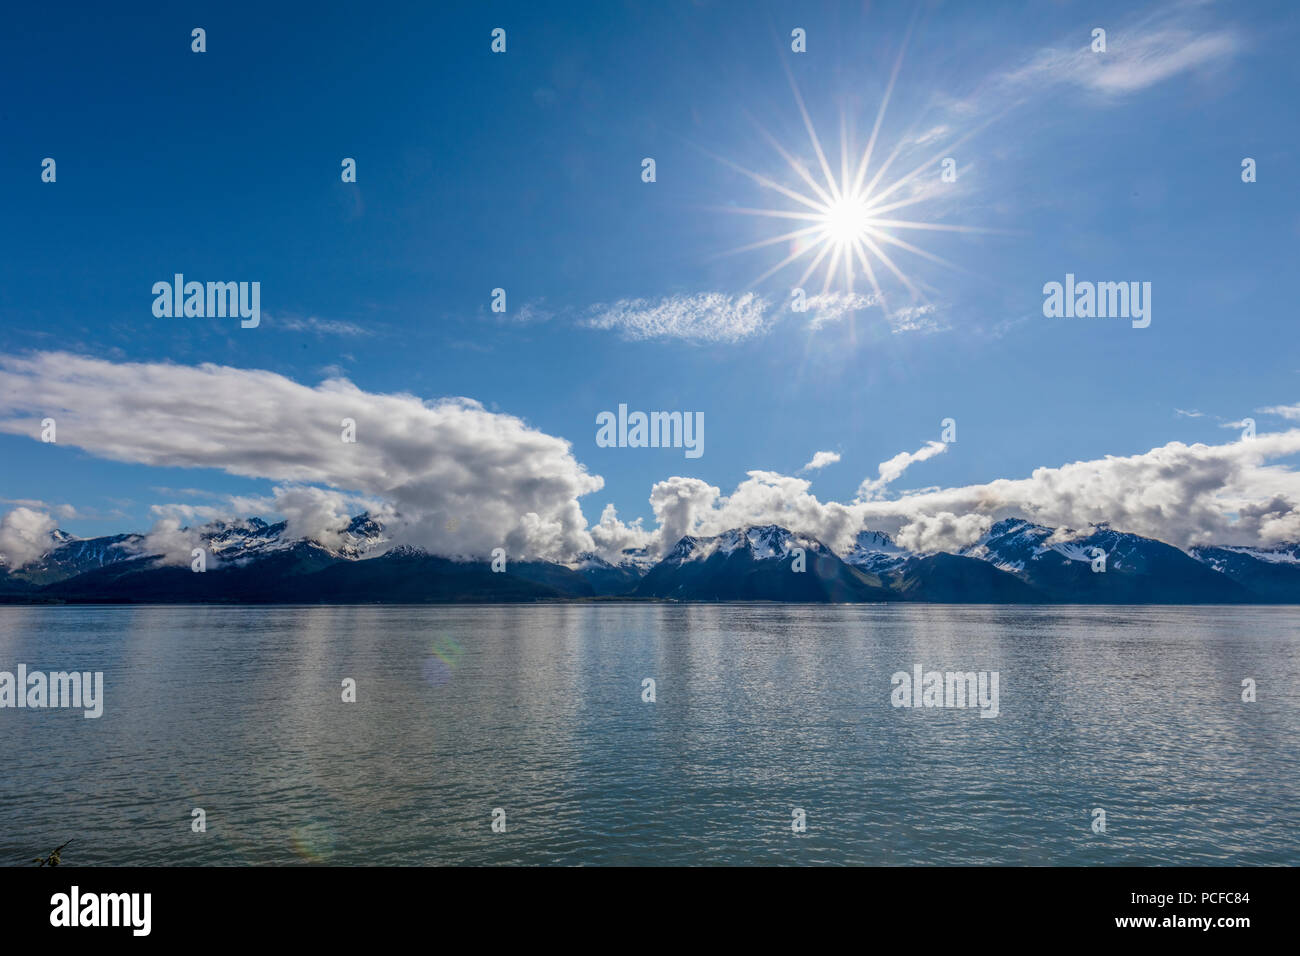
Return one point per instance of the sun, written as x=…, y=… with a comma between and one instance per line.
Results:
x=846, y=223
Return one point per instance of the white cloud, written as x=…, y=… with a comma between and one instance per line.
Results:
x=932, y=135
x=322, y=326
x=530, y=313
x=421, y=464
x=1172, y=40
x=941, y=531
x=1139, y=55
x=65, y=512
x=25, y=535
x=834, y=306
x=821, y=460
x=507, y=485
x=894, y=468
x=703, y=317
x=173, y=543
x=1290, y=412
x=612, y=536
x=1181, y=494
x=914, y=318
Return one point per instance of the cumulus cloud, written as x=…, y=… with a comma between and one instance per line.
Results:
x=943, y=531
x=703, y=317
x=505, y=484
x=1181, y=494
x=25, y=536
x=892, y=469
x=821, y=460
x=690, y=506
x=172, y=542
x=457, y=479
x=613, y=537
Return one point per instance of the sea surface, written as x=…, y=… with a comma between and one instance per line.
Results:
x=760, y=710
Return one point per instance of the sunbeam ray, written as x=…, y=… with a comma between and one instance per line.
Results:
x=846, y=230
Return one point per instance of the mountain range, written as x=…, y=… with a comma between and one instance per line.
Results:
x=1014, y=562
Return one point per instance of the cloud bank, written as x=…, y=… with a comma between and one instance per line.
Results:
x=505, y=484
x=457, y=479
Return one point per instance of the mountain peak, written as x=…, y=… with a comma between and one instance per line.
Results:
x=876, y=552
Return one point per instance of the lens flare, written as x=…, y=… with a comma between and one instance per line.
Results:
x=845, y=217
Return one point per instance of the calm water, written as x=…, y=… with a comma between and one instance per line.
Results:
x=760, y=709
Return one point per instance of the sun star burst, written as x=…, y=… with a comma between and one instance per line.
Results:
x=843, y=221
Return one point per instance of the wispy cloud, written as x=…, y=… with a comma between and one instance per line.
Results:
x=532, y=312
x=834, y=306
x=892, y=469
x=1138, y=55
x=65, y=511
x=915, y=318
x=702, y=317
x=1290, y=412
x=322, y=326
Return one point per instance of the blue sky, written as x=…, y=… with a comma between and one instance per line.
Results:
x=522, y=171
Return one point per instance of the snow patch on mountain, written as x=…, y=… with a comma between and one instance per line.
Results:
x=1010, y=544
x=1214, y=557
x=876, y=552
x=762, y=542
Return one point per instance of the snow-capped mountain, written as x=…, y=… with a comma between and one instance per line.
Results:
x=235, y=543
x=239, y=542
x=1010, y=544
x=954, y=579
x=608, y=578
x=938, y=577
x=876, y=552
x=758, y=563
x=1015, y=561
x=1271, y=573
x=1219, y=557
x=72, y=556
x=1136, y=570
